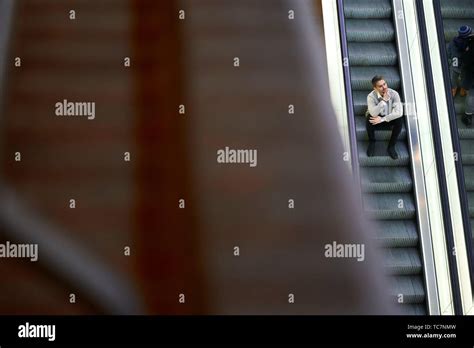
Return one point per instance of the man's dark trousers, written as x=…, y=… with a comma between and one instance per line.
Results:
x=395, y=125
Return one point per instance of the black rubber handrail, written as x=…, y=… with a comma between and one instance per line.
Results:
x=438, y=149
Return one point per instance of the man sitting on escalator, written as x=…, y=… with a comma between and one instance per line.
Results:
x=385, y=111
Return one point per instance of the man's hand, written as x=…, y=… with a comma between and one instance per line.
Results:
x=375, y=119
x=386, y=96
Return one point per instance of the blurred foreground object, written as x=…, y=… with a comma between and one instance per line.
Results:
x=238, y=246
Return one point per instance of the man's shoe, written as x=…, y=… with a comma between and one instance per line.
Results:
x=463, y=92
x=392, y=152
x=467, y=119
x=371, y=149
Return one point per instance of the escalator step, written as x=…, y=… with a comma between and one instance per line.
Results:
x=359, y=99
x=457, y=8
x=375, y=30
x=467, y=151
x=470, y=199
x=386, y=179
x=402, y=261
x=469, y=177
x=379, y=135
x=367, y=9
x=464, y=131
x=389, y=206
x=381, y=158
x=394, y=234
x=413, y=309
x=460, y=104
x=369, y=54
x=411, y=287
x=361, y=77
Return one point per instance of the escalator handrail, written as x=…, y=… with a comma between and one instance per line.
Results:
x=449, y=233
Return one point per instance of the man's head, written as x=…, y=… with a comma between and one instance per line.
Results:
x=379, y=84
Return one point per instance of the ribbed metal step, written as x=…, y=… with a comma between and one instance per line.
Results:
x=389, y=206
x=470, y=199
x=457, y=8
x=381, y=158
x=386, y=179
x=396, y=234
x=469, y=177
x=368, y=53
x=402, y=261
x=361, y=77
x=460, y=104
x=408, y=289
x=413, y=309
x=359, y=99
x=362, y=30
x=367, y=9
x=464, y=131
x=467, y=151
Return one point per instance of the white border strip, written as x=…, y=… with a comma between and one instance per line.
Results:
x=336, y=72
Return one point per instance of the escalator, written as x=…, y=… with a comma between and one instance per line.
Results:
x=387, y=184
x=456, y=13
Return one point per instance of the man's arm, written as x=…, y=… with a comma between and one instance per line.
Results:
x=374, y=108
x=397, y=109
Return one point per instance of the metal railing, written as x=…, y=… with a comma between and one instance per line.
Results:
x=413, y=138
